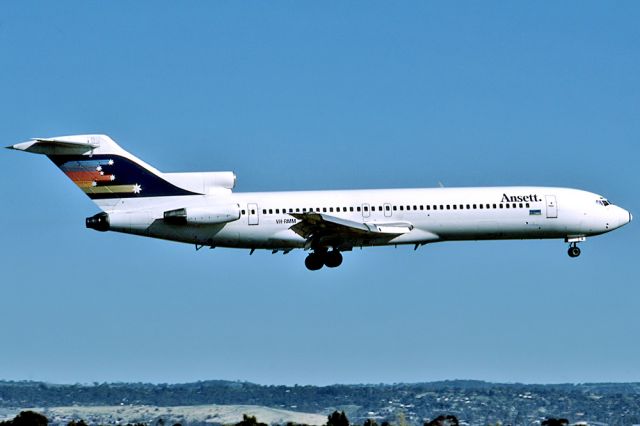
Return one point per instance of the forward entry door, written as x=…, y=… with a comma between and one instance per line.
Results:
x=552, y=207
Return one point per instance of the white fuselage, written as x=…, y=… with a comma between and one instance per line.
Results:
x=434, y=214
x=201, y=208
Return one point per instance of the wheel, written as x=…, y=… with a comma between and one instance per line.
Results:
x=314, y=261
x=574, y=251
x=333, y=259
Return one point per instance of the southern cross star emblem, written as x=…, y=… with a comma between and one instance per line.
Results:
x=137, y=189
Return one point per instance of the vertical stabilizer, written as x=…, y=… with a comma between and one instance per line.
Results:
x=102, y=169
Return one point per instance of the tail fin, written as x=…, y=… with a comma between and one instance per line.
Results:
x=102, y=169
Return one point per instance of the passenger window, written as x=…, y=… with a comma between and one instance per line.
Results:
x=461, y=206
x=324, y=209
x=475, y=206
x=448, y=207
x=500, y=205
x=379, y=208
x=468, y=206
x=270, y=211
x=358, y=208
x=455, y=207
x=507, y=205
x=304, y=210
x=387, y=208
x=264, y=211
x=514, y=205
x=243, y=212
x=527, y=205
x=488, y=206
x=350, y=209
x=421, y=207
x=331, y=209
x=480, y=205
x=366, y=208
x=495, y=206
x=298, y=210
x=395, y=208
x=277, y=211
x=428, y=206
x=401, y=207
x=521, y=205
x=408, y=207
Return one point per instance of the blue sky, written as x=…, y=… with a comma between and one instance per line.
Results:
x=321, y=95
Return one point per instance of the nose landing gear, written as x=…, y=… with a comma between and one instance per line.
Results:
x=318, y=259
x=573, y=241
x=574, y=250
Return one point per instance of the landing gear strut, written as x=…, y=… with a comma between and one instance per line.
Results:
x=318, y=259
x=574, y=250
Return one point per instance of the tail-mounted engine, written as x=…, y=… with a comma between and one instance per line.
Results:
x=210, y=215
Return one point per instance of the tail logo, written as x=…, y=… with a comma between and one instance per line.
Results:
x=109, y=176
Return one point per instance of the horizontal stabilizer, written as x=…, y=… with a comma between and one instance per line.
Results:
x=57, y=146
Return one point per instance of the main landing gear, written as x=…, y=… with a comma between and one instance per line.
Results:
x=574, y=250
x=318, y=259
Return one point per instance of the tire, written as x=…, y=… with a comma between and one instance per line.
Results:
x=574, y=251
x=333, y=259
x=313, y=262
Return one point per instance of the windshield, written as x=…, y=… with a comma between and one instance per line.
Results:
x=603, y=202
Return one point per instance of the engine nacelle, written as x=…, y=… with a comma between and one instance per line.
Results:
x=209, y=215
x=99, y=222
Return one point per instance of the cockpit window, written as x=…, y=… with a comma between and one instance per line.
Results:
x=603, y=202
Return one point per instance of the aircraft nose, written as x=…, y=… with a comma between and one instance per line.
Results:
x=625, y=217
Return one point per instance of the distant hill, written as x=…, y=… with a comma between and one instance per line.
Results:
x=473, y=402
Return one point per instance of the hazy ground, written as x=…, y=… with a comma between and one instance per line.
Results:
x=142, y=413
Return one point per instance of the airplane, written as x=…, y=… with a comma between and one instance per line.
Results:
x=201, y=208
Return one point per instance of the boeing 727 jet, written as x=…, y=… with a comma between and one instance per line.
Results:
x=200, y=208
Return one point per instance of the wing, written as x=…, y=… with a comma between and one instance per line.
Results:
x=321, y=230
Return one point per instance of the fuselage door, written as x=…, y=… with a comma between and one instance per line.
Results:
x=366, y=210
x=252, y=213
x=387, y=210
x=552, y=207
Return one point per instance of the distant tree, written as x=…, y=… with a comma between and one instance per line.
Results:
x=337, y=419
x=77, y=423
x=370, y=422
x=555, y=422
x=442, y=420
x=28, y=418
x=249, y=421
x=385, y=423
